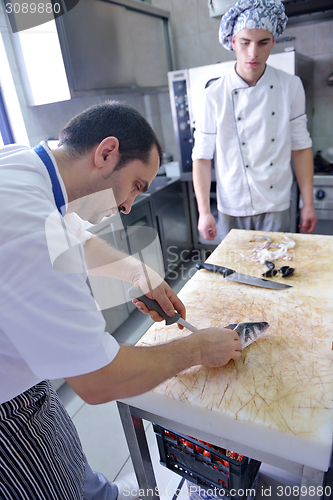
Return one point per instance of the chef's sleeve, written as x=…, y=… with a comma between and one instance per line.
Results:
x=77, y=226
x=205, y=131
x=300, y=137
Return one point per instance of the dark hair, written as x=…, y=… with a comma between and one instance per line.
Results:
x=112, y=118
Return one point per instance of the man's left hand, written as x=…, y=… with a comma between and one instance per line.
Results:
x=309, y=219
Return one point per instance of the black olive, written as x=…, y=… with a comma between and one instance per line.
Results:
x=283, y=269
x=270, y=273
x=269, y=264
x=288, y=272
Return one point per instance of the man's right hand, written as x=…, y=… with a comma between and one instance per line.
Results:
x=207, y=226
x=138, y=369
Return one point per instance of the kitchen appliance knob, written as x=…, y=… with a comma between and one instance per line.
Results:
x=182, y=113
x=183, y=126
x=320, y=194
x=179, y=86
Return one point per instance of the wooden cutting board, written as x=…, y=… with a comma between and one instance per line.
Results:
x=282, y=387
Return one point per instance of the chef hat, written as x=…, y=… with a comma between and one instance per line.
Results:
x=252, y=14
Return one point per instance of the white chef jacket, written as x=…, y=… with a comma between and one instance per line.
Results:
x=252, y=130
x=50, y=326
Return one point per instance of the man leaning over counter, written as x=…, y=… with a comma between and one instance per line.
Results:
x=50, y=325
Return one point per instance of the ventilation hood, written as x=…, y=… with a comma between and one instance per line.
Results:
x=298, y=11
x=113, y=46
x=303, y=11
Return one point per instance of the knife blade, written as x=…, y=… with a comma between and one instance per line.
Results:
x=153, y=305
x=232, y=275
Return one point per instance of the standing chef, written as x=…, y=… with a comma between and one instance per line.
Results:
x=254, y=119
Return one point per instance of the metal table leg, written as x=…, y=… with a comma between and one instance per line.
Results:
x=139, y=451
x=312, y=484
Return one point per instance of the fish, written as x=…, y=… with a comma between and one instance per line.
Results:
x=249, y=332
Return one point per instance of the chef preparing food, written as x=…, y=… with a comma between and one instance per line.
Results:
x=254, y=119
x=50, y=325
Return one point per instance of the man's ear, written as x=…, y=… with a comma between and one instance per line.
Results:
x=107, y=152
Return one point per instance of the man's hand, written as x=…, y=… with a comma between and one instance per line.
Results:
x=202, y=183
x=309, y=219
x=303, y=168
x=166, y=298
x=219, y=346
x=136, y=370
x=207, y=226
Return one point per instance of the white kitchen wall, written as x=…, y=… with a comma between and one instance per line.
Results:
x=195, y=34
x=195, y=41
x=315, y=40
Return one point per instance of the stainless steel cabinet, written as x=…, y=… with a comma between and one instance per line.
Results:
x=157, y=231
x=171, y=214
x=132, y=234
x=140, y=238
x=107, y=291
x=115, y=45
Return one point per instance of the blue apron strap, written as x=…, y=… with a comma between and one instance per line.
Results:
x=58, y=196
x=56, y=188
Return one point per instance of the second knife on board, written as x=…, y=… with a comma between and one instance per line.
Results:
x=233, y=275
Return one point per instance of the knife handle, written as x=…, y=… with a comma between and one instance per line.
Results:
x=152, y=305
x=225, y=271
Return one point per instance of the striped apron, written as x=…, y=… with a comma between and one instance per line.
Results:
x=41, y=457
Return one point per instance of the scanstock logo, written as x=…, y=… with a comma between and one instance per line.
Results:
x=23, y=15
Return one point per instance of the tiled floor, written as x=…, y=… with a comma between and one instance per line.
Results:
x=101, y=432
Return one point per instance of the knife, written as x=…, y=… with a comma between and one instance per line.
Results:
x=153, y=305
x=231, y=274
